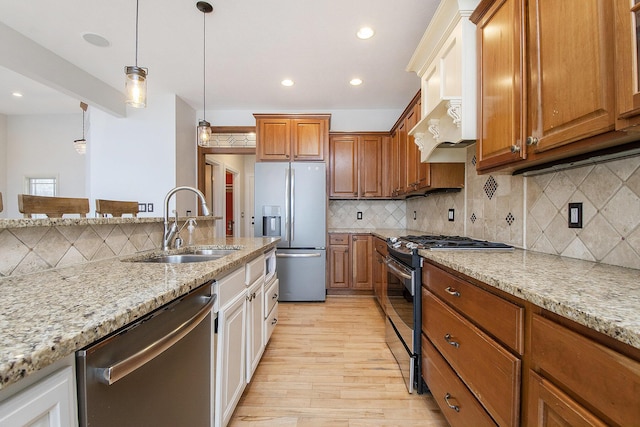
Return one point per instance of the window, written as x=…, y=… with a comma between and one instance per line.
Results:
x=42, y=186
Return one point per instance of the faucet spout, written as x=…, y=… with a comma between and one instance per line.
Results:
x=170, y=230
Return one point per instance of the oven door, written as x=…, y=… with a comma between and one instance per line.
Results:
x=400, y=317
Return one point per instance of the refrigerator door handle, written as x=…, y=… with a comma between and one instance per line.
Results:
x=286, y=204
x=315, y=255
x=293, y=203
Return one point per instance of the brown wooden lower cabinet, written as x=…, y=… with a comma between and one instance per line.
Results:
x=457, y=403
x=350, y=263
x=549, y=406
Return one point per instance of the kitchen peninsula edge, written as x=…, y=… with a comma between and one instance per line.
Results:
x=601, y=297
x=48, y=315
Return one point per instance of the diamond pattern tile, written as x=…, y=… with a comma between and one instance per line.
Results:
x=490, y=187
x=510, y=219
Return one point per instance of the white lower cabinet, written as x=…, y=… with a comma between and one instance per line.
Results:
x=255, y=326
x=231, y=346
x=270, y=308
x=50, y=402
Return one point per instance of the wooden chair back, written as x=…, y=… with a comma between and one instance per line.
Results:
x=116, y=207
x=53, y=207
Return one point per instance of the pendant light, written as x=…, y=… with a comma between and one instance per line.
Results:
x=136, y=79
x=81, y=144
x=204, y=127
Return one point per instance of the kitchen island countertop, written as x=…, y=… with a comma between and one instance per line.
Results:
x=48, y=315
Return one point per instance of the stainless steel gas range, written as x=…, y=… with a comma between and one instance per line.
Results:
x=403, y=296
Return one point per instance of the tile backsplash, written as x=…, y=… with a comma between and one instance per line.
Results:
x=375, y=214
x=29, y=249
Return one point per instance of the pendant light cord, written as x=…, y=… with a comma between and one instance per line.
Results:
x=82, y=124
x=204, y=66
x=137, y=1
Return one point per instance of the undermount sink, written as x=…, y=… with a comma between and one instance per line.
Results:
x=188, y=256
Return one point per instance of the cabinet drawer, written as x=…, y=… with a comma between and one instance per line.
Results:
x=271, y=296
x=500, y=318
x=448, y=390
x=254, y=269
x=338, y=239
x=270, y=323
x=381, y=246
x=490, y=371
x=229, y=287
x=607, y=380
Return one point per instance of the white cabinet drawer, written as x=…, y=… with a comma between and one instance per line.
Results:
x=229, y=287
x=271, y=296
x=254, y=269
x=270, y=323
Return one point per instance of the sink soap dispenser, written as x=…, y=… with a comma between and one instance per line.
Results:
x=191, y=228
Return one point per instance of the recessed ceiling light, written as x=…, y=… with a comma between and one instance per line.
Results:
x=17, y=94
x=96, y=40
x=355, y=82
x=287, y=82
x=365, y=33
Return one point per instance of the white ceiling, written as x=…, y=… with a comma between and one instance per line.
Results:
x=251, y=46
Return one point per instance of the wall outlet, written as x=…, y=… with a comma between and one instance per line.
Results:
x=451, y=215
x=359, y=215
x=575, y=215
x=142, y=207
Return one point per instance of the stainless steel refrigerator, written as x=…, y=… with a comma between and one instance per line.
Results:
x=291, y=202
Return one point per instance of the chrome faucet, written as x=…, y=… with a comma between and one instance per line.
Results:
x=171, y=230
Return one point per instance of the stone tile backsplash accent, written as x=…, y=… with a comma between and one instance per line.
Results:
x=30, y=249
x=375, y=214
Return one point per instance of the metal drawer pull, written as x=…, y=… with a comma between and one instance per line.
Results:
x=274, y=321
x=452, y=291
x=454, y=407
x=275, y=296
x=447, y=338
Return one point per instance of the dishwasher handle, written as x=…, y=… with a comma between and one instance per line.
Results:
x=124, y=367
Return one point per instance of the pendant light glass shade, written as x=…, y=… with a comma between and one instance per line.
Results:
x=204, y=127
x=204, y=133
x=135, y=85
x=80, y=145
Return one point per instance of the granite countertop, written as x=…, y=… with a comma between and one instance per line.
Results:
x=48, y=315
x=603, y=297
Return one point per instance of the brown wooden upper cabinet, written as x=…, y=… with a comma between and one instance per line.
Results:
x=627, y=77
x=292, y=137
x=545, y=86
x=358, y=165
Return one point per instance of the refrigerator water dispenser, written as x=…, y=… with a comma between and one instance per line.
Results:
x=271, y=221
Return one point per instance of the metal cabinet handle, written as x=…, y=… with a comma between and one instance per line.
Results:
x=515, y=149
x=121, y=369
x=274, y=321
x=446, y=400
x=532, y=140
x=452, y=291
x=274, y=296
x=447, y=338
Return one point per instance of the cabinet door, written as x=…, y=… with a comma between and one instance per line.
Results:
x=501, y=106
x=550, y=407
x=395, y=165
x=273, y=139
x=255, y=326
x=339, y=267
x=361, y=262
x=343, y=166
x=231, y=359
x=412, y=157
x=49, y=402
x=308, y=139
x=571, y=92
x=627, y=65
x=370, y=168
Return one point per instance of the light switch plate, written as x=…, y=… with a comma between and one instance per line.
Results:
x=149, y=207
x=452, y=214
x=575, y=215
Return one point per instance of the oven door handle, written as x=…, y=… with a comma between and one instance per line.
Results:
x=124, y=367
x=397, y=270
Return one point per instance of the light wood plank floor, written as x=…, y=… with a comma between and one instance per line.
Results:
x=327, y=364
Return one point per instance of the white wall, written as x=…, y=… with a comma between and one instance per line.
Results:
x=186, y=157
x=341, y=120
x=42, y=145
x=134, y=158
x=3, y=162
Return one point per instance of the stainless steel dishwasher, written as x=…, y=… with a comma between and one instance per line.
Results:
x=154, y=372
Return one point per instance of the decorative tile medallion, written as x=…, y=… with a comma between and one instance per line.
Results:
x=473, y=218
x=490, y=187
x=510, y=218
